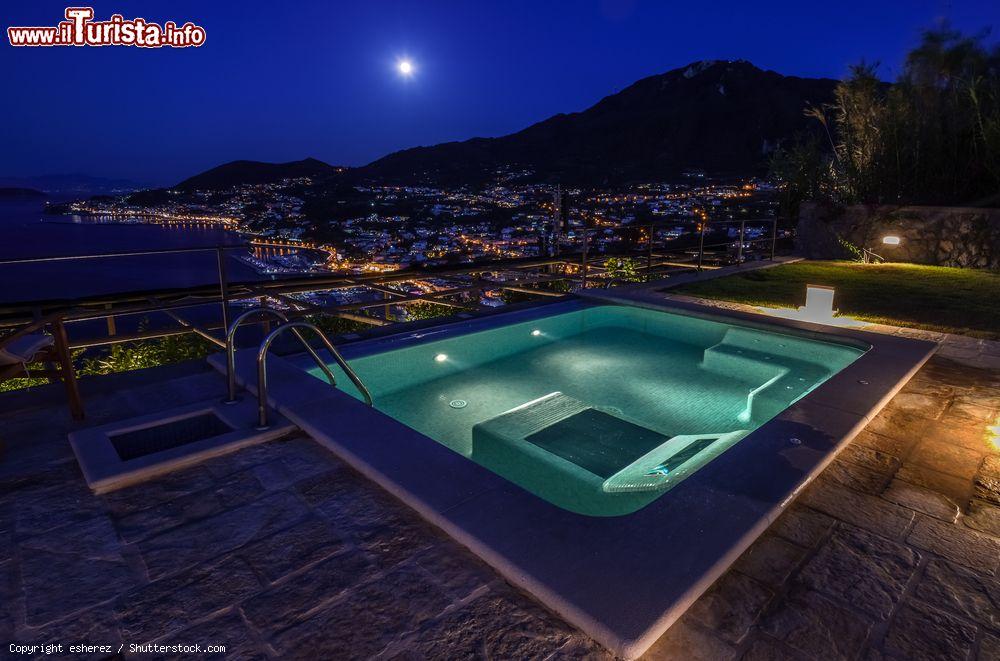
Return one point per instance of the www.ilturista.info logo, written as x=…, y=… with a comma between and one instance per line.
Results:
x=79, y=29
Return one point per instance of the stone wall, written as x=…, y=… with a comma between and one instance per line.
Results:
x=944, y=236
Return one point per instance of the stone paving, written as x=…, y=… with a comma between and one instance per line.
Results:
x=282, y=551
x=892, y=552
x=279, y=550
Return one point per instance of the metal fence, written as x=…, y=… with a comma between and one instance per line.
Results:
x=580, y=258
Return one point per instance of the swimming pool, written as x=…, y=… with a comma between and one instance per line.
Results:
x=448, y=437
x=599, y=410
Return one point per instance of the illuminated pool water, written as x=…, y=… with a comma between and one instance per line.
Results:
x=599, y=410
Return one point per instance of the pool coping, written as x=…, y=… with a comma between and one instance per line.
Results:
x=622, y=580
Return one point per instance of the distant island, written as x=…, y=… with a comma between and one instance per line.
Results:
x=72, y=184
x=15, y=193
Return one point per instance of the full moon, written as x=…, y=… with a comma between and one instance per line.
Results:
x=405, y=67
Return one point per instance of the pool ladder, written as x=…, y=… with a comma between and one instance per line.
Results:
x=296, y=327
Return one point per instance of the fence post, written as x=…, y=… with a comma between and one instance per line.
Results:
x=112, y=330
x=649, y=254
x=701, y=243
x=774, y=236
x=66, y=369
x=739, y=250
x=583, y=259
x=220, y=256
x=266, y=318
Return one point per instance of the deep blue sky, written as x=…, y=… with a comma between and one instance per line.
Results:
x=279, y=81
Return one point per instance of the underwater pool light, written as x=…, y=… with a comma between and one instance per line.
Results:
x=536, y=332
x=441, y=357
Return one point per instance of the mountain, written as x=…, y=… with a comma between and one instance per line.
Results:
x=75, y=184
x=719, y=116
x=255, y=172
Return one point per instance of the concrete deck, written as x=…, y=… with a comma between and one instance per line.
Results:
x=281, y=550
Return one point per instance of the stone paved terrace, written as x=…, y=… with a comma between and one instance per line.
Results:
x=282, y=551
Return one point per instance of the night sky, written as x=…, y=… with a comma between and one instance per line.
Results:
x=280, y=81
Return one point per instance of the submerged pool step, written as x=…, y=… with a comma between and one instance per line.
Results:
x=536, y=415
x=578, y=456
x=755, y=356
x=755, y=359
x=596, y=441
x=559, y=427
x=770, y=344
x=741, y=363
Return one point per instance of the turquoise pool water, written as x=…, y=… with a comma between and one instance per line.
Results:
x=599, y=410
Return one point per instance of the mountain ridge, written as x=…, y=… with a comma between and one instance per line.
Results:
x=717, y=115
x=721, y=116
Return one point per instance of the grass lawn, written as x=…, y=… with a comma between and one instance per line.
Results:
x=952, y=300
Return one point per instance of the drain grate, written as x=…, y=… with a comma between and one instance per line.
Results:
x=169, y=435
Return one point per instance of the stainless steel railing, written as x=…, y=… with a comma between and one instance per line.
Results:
x=220, y=257
x=262, y=422
x=231, y=349
x=575, y=262
x=693, y=254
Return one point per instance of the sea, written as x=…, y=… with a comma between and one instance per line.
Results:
x=27, y=232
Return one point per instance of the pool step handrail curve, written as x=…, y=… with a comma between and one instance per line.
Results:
x=294, y=326
x=231, y=348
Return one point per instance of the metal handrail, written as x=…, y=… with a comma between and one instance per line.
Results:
x=135, y=302
x=262, y=366
x=231, y=349
x=122, y=253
